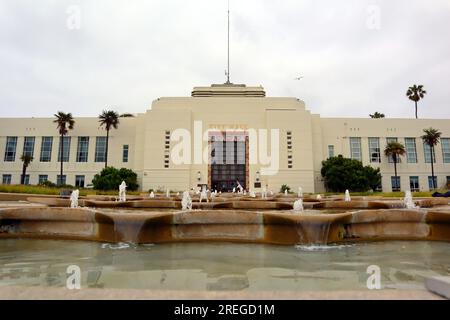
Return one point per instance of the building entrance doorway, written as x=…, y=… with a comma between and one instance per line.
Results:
x=228, y=161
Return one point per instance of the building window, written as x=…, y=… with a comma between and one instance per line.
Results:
x=60, y=180
x=414, y=184
x=430, y=183
x=82, y=149
x=100, y=149
x=374, y=150
x=391, y=158
x=355, y=148
x=42, y=178
x=448, y=182
x=66, y=149
x=10, y=151
x=46, y=149
x=331, y=151
x=28, y=146
x=26, y=180
x=79, y=181
x=427, y=152
x=411, y=151
x=395, y=182
x=6, y=179
x=445, y=143
x=126, y=148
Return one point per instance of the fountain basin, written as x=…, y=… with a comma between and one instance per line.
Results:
x=269, y=227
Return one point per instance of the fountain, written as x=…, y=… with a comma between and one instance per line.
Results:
x=408, y=201
x=152, y=195
x=298, y=206
x=186, y=202
x=74, y=198
x=300, y=192
x=168, y=193
x=285, y=192
x=347, y=196
x=264, y=193
x=122, y=192
x=241, y=189
x=252, y=194
x=319, y=197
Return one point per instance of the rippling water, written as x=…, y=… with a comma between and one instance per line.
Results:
x=404, y=265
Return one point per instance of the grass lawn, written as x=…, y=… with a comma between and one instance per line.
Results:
x=29, y=189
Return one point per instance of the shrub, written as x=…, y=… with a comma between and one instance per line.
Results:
x=47, y=184
x=110, y=178
x=285, y=187
x=341, y=174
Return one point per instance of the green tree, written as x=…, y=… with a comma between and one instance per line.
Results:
x=110, y=178
x=341, y=173
x=432, y=138
x=109, y=119
x=26, y=159
x=64, y=122
x=416, y=93
x=395, y=150
x=377, y=115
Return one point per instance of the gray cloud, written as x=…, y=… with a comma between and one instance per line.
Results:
x=126, y=54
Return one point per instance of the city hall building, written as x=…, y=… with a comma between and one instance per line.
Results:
x=223, y=121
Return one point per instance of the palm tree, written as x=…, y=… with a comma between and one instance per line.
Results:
x=377, y=115
x=432, y=138
x=395, y=150
x=65, y=122
x=416, y=93
x=110, y=119
x=26, y=159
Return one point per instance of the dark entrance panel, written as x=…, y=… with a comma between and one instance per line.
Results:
x=228, y=161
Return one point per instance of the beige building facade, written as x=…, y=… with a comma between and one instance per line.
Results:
x=220, y=135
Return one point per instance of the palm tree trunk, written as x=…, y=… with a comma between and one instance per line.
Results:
x=24, y=171
x=106, y=151
x=432, y=168
x=395, y=169
x=416, y=110
x=61, y=158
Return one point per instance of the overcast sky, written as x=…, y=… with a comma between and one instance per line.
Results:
x=356, y=56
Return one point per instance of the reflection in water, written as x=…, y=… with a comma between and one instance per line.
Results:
x=221, y=266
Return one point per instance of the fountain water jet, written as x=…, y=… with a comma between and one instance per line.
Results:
x=347, y=196
x=300, y=192
x=186, y=202
x=298, y=206
x=74, y=198
x=122, y=192
x=408, y=201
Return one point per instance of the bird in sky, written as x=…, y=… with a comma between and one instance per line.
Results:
x=299, y=78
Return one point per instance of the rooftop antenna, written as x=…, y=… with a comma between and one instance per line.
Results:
x=228, y=66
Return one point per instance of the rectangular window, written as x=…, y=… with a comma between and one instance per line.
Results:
x=42, y=178
x=66, y=149
x=391, y=159
x=395, y=182
x=82, y=149
x=26, y=181
x=10, y=150
x=100, y=149
x=445, y=143
x=79, y=181
x=355, y=149
x=414, y=184
x=330, y=151
x=60, y=180
x=6, y=179
x=430, y=183
x=125, y=153
x=411, y=150
x=28, y=146
x=427, y=152
x=46, y=149
x=374, y=150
